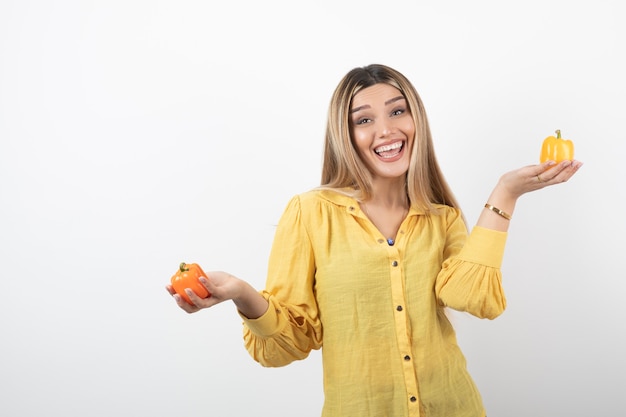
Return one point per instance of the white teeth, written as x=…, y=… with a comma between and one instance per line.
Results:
x=388, y=148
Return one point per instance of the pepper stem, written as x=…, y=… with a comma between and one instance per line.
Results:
x=558, y=133
x=182, y=267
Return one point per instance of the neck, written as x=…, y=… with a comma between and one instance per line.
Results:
x=390, y=194
x=387, y=208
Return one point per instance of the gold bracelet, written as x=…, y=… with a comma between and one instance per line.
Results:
x=498, y=211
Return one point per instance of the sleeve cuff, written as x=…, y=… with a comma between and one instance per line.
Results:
x=484, y=246
x=270, y=323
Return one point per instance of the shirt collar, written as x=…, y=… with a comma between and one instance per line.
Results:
x=338, y=198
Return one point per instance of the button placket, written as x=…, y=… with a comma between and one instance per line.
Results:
x=401, y=325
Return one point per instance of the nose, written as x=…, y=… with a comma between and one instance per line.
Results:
x=385, y=128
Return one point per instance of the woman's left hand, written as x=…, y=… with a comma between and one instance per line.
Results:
x=515, y=183
x=536, y=177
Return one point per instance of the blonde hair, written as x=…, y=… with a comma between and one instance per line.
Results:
x=343, y=168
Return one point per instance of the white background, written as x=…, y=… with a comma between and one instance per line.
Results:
x=138, y=134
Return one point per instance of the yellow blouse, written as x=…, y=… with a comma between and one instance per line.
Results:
x=377, y=310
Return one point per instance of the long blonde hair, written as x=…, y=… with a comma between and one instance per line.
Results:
x=343, y=168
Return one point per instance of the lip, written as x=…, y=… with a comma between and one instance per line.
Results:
x=388, y=143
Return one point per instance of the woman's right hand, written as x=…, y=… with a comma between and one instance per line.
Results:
x=223, y=287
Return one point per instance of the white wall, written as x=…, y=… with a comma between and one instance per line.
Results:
x=138, y=134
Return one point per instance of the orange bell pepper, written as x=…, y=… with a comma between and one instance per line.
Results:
x=188, y=276
x=556, y=149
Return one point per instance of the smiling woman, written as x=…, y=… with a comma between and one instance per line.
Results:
x=366, y=264
x=383, y=130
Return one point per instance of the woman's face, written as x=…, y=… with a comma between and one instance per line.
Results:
x=382, y=130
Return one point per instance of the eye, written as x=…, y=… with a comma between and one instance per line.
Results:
x=398, y=112
x=362, y=121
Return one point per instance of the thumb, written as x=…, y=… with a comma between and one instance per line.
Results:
x=208, y=284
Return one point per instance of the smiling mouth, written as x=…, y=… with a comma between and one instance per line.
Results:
x=389, y=151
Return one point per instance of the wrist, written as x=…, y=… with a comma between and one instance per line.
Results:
x=240, y=289
x=248, y=300
x=498, y=211
x=502, y=197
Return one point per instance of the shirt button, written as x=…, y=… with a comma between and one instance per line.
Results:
x=351, y=208
x=407, y=358
x=394, y=263
x=399, y=308
x=381, y=240
x=413, y=399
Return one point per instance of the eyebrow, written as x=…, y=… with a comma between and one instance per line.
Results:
x=366, y=106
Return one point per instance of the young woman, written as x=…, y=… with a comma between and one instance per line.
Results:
x=365, y=264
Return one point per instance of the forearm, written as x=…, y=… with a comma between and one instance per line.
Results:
x=503, y=200
x=249, y=302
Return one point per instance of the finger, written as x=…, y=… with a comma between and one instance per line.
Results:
x=549, y=175
x=210, y=301
x=184, y=304
x=543, y=167
x=179, y=300
x=567, y=173
x=563, y=172
x=538, y=173
x=196, y=300
x=208, y=284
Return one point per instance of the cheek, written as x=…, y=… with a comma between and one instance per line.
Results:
x=361, y=142
x=408, y=127
x=409, y=130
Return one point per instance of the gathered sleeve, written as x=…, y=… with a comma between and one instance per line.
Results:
x=471, y=279
x=290, y=328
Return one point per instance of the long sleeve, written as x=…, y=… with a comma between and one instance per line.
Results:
x=287, y=332
x=471, y=279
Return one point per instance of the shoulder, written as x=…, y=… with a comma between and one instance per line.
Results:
x=435, y=210
x=313, y=209
x=446, y=215
x=320, y=203
x=324, y=197
x=445, y=210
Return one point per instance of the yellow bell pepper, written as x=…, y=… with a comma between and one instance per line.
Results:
x=556, y=149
